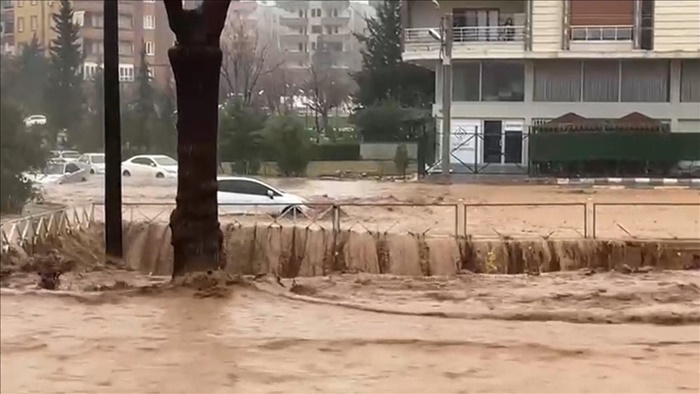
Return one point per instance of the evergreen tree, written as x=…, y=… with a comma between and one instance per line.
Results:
x=93, y=135
x=64, y=95
x=384, y=75
x=144, y=107
x=26, y=78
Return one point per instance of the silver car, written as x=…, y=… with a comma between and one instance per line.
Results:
x=59, y=172
x=94, y=163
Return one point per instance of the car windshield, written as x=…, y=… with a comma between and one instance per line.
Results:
x=70, y=155
x=165, y=161
x=54, y=169
x=97, y=159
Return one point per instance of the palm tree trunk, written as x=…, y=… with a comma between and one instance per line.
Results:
x=196, y=236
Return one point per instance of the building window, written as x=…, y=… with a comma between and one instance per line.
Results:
x=601, y=81
x=466, y=80
x=313, y=46
x=79, y=18
x=316, y=29
x=96, y=20
x=20, y=24
x=33, y=23
x=503, y=81
x=126, y=48
x=557, y=81
x=690, y=81
x=126, y=22
x=149, y=22
x=301, y=47
x=150, y=48
x=645, y=81
x=126, y=72
x=97, y=47
x=20, y=3
x=34, y=2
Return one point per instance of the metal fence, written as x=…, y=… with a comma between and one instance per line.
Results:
x=630, y=221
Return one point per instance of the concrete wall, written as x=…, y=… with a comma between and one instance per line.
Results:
x=385, y=150
x=333, y=168
x=676, y=25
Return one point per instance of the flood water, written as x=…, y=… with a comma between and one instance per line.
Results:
x=256, y=342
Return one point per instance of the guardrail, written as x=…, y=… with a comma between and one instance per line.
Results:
x=469, y=34
x=30, y=230
x=473, y=220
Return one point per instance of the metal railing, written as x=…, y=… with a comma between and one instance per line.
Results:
x=625, y=221
x=469, y=34
x=31, y=230
x=601, y=33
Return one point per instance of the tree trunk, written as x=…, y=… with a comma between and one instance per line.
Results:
x=196, y=236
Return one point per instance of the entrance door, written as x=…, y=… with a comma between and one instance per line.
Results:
x=493, y=133
x=513, y=146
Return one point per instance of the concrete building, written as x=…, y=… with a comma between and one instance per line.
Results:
x=7, y=27
x=141, y=23
x=306, y=24
x=518, y=63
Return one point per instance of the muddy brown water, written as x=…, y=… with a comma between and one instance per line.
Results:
x=453, y=332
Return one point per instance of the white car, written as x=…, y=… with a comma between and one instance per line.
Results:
x=60, y=172
x=239, y=195
x=35, y=120
x=152, y=166
x=67, y=155
x=93, y=162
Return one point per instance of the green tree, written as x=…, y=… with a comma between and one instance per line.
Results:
x=64, y=94
x=25, y=80
x=384, y=75
x=164, y=129
x=290, y=143
x=20, y=151
x=241, y=138
x=143, y=108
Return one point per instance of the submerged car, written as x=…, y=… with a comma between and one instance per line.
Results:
x=93, y=162
x=152, y=166
x=241, y=195
x=67, y=155
x=59, y=172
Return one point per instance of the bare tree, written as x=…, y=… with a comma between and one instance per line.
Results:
x=246, y=59
x=196, y=61
x=326, y=88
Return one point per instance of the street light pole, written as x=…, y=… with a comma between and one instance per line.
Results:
x=447, y=40
x=112, y=130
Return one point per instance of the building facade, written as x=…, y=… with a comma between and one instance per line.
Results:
x=519, y=63
x=7, y=27
x=142, y=24
x=306, y=25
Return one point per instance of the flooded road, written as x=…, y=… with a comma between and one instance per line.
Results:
x=256, y=342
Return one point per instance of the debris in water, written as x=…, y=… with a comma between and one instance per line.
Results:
x=49, y=280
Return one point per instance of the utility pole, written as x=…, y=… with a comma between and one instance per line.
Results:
x=446, y=34
x=113, y=152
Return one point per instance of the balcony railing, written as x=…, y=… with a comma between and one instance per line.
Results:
x=601, y=33
x=469, y=34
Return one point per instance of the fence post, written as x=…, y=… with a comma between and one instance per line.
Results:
x=336, y=219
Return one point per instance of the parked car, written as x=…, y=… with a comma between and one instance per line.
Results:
x=35, y=120
x=239, y=195
x=59, y=172
x=67, y=155
x=93, y=162
x=154, y=166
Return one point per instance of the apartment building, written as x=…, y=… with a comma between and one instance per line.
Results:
x=307, y=25
x=518, y=63
x=141, y=23
x=7, y=28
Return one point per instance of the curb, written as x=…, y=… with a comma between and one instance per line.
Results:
x=684, y=183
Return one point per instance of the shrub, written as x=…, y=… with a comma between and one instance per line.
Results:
x=337, y=152
x=401, y=159
x=21, y=152
x=288, y=140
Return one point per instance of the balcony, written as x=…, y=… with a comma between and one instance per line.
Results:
x=601, y=38
x=335, y=20
x=294, y=21
x=468, y=42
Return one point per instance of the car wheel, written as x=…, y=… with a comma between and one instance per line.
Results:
x=92, y=172
x=160, y=176
x=291, y=211
x=126, y=173
x=83, y=179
